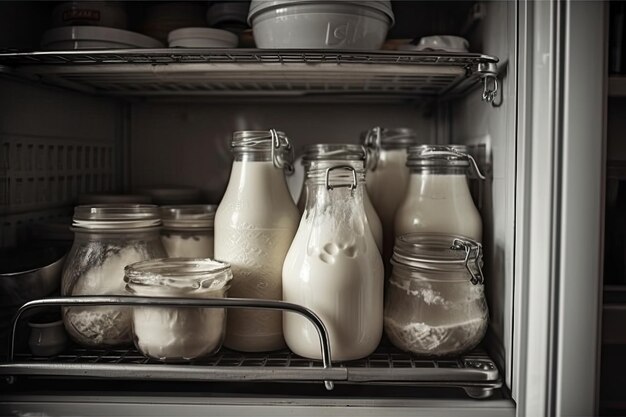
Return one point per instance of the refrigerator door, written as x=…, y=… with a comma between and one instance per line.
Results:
x=559, y=206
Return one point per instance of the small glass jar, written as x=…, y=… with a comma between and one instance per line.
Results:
x=188, y=230
x=106, y=239
x=338, y=153
x=387, y=177
x=438, y=198
x=178, y=334
x=435, y=303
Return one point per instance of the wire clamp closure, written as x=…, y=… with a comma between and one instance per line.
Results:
x=451, y=152
x=331, y=187
x=372, y=148
x=473, y=258
x=282, y=152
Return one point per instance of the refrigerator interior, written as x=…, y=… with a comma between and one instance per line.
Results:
x=57, y=143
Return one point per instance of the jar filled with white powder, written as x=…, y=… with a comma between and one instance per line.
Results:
x=188, y=230
x=438, y=198
x=434, y=302
x=106, y=239
x=387, y=177
x=178, y=334
x=342, y=152
x=254, y=226
x=333, y=266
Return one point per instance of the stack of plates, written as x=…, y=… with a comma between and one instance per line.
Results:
x=202, y=38
x=95, y=37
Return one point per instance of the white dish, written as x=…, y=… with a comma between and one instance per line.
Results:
x=445, y=43
x=94, y=37
x=321, y=25
x=202, y=38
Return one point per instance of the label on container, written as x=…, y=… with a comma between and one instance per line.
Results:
x=81, y=15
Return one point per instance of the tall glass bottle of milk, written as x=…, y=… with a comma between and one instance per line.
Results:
x=387, y=177
x=438, y=198
x=341, y=152
x=334, y=267
x=254, y=226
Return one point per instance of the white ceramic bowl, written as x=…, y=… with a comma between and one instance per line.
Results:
x=90, y=13
x=94, y=37
x=446, y=43
x=320, y=24
x=202, y=38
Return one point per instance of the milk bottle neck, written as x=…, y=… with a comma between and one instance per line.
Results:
x=331, y=182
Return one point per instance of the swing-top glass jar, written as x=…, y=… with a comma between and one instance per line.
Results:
x=254, y=226
x=106, y=239
x=341, y=152
x=334, y=267
x=438, y=198
x=387, y=176
x=435, y=303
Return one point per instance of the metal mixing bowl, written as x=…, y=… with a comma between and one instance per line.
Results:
x=29, y=273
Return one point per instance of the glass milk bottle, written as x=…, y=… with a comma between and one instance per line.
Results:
x=387, y=177
x=342, y=152
x=438, y=198
x=334, y=267
x=254, y=226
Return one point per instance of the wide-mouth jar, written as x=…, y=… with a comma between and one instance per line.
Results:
x=435, y=303
x=178, y=334
x=107, y=237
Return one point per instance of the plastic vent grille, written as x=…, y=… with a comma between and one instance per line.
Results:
x=41, y=177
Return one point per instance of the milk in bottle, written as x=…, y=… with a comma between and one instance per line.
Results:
x=254, y=226
x=387, y=177
x=438, y=198
x=334, y=267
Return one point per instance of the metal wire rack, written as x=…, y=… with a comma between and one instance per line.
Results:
x=254, y=73
x=475, y=372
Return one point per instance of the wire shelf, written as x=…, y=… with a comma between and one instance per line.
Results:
x=475, y=372
x=253, y=73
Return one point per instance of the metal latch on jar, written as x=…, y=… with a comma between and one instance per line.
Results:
x=280, y=147
x=473, y=258
x=372, y=148
x=452, y=152
x=352, y=186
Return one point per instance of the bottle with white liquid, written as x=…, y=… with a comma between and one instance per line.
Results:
x=334, y=267
x=338, y=153
x=438, y=198
x=254, y=226
x=387, y=177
